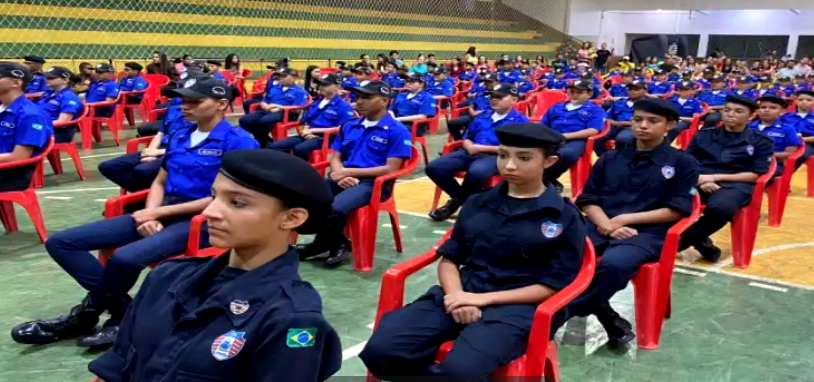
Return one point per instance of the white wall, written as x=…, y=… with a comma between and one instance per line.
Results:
x=552, y=13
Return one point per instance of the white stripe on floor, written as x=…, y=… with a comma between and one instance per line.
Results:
x=439, y=232
x=353, y=351
x=58, y=197
x=76, y=190
x=762, y=251
x=388, y=225
x=689, y=272
x=100, y=200
x=769, y=287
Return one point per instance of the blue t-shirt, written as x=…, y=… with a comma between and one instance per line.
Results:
x=441, y=88
x=803, y=124
x=481, y=130
x=394, y=80
x=100, y=91
x=714, y=97
x=622, y=110
x=63, y=101
x=335, y=113
x=783, y=135
x=37, y=84
x=618, y=90
x=24, y=123
x=689, y=108
x=422, y=103
x=587, y=116
x=657, y=88
x=366, y=147
x=290, y=96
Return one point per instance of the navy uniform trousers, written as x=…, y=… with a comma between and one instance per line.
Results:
x=569, y=154
x=259, y=123
x=347, y=200
x=806, y=154
x=479, y=168
x=109, y=284
x=16, y=178
x=129, y=172
x=721, y=207
x=406, y=341
x=297, y=145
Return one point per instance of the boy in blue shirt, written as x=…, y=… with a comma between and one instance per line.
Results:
x=620, y=90
x=715, y=98
x=786, y=140
x=60, y=102
x=478, y=99
x=374, y=145
x=361, y=73
x=765, y=87
x=526, y=86
x=687, y=106
x=560, y=82
x=25, y=129
x=443, y=85
x=469, y=74
x=392, y=77
x=477, y=156
x=803, y=121
x=507, y=74
x=619, y=117
x=259, y=123
x=414, y=104
x=785, y=85
x=744, y=88
x=103, y=89
x=37, y=84
x=214, y=68
x=706, y=78
x=133, y=82
x=800, y=83
x=660, y=87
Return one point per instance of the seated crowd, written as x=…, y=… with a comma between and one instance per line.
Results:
x=515, y=243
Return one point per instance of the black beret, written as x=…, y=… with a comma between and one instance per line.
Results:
x=36, y=59
x=658, y=106
x=741, y=100
x=774, y=99
x=528, y=135
x=806, y=92
x=282, y=176
x=134, y=65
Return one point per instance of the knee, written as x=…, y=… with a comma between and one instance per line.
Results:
x=435, y=170
x=108, y=167
x=722, y=208
x=125, y=260
x=57, y=242
x=246, y=120
x=376, y=354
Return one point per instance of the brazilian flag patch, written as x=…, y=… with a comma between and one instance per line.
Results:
x=301, y=338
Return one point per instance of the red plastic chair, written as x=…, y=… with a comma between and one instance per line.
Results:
x=142, y=107
x=328, y=70
x=432, y=126
x=280, y=130
x=364, y=222
x=546, y=99
x=579, y=171
x=523, y=106
x=68, y=147
x=448, y=148
x=26, y=198
x=540, y=359
x=779, y=189
x=810, y=177
x=115, y=207
x=157, y=81
x=743, y=229
x=652, y=284
x=92, y=128
x=686, y=136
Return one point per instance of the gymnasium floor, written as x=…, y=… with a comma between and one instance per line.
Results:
x=727, y=325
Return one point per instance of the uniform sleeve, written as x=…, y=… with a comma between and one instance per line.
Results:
x=393, y=104
x=112, y=366
x=336, y=145
x=112, y=90
x=242, y=142
x=547, y=117
x=764, y=150
x=345, y=114
x=141, y=84
x=302, y=98
x=401, y=144
x=612, y=112
x=791, y=139
x=456, y=249
x=70, y=106
x=33, y=130
x=428, y=106
x=592, y=191
x=681, y=194
x=597, y=119
x=448, y=89
x=279, y=359
x=567, y=258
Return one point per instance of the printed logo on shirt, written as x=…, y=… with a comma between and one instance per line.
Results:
x=53, y=102
x=551, y=230
x=301, y=338
x=210, y=152
x=750, y=149
x=668, y=172
x=408, y=142
x=7, y=124
x=378, y=139
x=228, y=345
x=36, y=126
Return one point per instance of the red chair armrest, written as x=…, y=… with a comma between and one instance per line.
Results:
x=326, y=140
x=103, y=103
x=670, y=248
x=391, y=296
x=416, y=123
x=133, y=144
x=788, y=164
x=194, y=238
x=115, y=205
x=255, y=106
x=32, y=160
x=452, y=146
x=760, y=184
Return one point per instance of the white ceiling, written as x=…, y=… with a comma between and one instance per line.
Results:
x=649, y=5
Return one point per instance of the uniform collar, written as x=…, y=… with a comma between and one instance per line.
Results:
x=494, y=199
x=218, y=133
x=385, y=123
x=254, y=287
x=16, y=104
x=658, y=155
x=756, y=124
x=744, y=136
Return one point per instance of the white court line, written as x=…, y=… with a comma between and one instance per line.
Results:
x=58, y=197
x=762, y=251
x=97, y=156
x=801, y=198
x=439, y=232
x=411, y=180
x=689, y=272
x=769, y=287
x=370, y=325
x=353, y=351
x=100, y=200
x=388, y=225
x=76, y=190
x=748, y=277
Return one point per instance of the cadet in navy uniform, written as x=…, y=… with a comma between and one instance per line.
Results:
x=730, y=158
x=181, y=190
x=511, y=248
x=577, y=119
x=715, y=98
x=133, y=82
x=136, y=171
x=688, y=106
x=25, y=129
x=245, y=315
x=331, y=110
x=803, y=121
x=660, y=87
x=620, y=90
x=414, y=104
x=478, y=99
x=477, y=156
x=60, y=102
x=620, y=118
x=103, y=89
x=374, y=145
x=786, y=140
x=260, y=122
x=37, y=84
x=632, y=197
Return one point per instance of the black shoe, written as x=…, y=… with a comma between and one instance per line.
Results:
x=104, y=337
x=444, y=212
x=708, y=250
x=339, y=255
x=556, y=183
x=620, y=331
x=311, y=251
x=80, y=321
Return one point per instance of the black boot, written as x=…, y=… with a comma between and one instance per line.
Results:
x=339, y=254
x=311, y=251
x=81, y=320
x=444, y=212
x=708, y=250
x=117, y=307
x=619, y=330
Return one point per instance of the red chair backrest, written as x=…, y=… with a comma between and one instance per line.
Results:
x=230, y=78
x=32, y=160
x=328, y=70
x=546, y=99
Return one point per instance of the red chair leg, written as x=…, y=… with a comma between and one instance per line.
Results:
x=97, y=131
x=576, y=175
x=423, y=141
x=810, y=177
x=86, y=132
x=129, y=114
x=363, y=239
x=8, y=217
x=436, y=199
x=390, y=208
x=39, y=176
x=55, y=160
x=743, y=234
x=551, y=372
x=778, y=195
x=649, y=317
x=31, y=204
x=73, y=152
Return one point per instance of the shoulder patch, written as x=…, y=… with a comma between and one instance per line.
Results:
x=301, y=337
